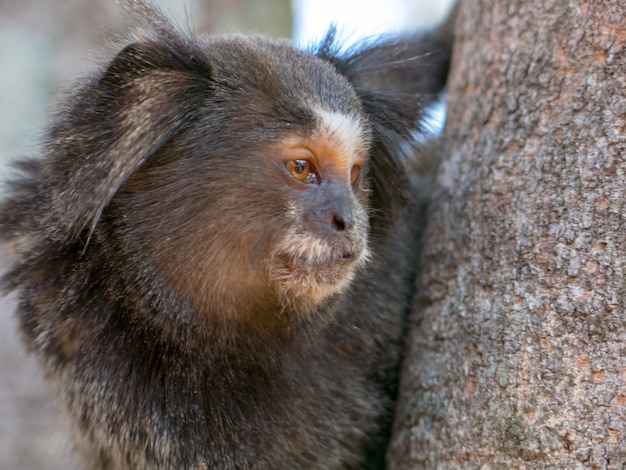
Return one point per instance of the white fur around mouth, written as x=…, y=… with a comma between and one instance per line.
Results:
x=319, y=272
x=314, y=281
x=315, y=269
x=309, y=267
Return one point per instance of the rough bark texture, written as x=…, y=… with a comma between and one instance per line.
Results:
x=516, y=356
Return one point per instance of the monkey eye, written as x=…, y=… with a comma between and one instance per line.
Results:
x=303, y=170
x=354, y=174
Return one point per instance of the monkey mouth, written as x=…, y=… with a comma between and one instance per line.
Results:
x=347, y=257
x=309, y=268
x=321, y=269
x=313, y=276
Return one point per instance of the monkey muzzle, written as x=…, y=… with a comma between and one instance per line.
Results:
x=309, y=265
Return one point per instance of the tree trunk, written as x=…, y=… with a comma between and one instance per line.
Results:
x=516, y=356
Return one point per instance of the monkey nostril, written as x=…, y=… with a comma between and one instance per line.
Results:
x=338, y=223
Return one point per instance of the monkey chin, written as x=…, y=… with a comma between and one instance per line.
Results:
x=311, y=271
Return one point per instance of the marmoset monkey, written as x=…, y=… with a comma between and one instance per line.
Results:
x=214, y=253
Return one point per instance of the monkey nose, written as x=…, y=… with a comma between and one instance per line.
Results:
x=334, y=215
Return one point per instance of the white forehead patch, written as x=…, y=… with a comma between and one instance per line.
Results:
x=347, y=131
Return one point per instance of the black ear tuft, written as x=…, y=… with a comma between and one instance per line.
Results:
x=395, y=79
x=406, y=67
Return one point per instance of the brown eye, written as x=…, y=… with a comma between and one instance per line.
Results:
x=354, y=174
x=302, y=170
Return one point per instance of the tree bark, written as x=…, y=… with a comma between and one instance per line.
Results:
x=516, y=355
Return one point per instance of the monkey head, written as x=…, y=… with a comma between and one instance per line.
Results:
x=235, y=177
x=261, y=197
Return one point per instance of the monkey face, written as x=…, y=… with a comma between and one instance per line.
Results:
x=325, y=236
x=286, y=223
x=262, y=197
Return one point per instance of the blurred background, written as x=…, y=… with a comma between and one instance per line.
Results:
x=44, y=44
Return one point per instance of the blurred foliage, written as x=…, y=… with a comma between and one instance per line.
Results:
x=272, y=17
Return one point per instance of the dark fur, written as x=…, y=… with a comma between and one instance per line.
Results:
x=151, y=189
